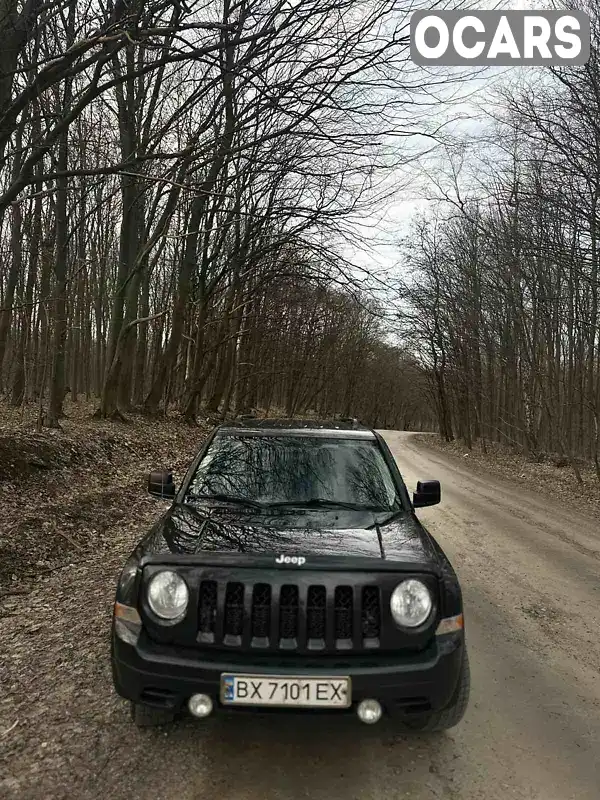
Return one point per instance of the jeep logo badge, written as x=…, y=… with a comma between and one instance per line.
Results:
x=298, y=560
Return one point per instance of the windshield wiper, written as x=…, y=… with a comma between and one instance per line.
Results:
x=228, y=498
x=321, y=502
x=392, y=515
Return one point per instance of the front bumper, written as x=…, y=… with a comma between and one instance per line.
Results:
x=165, y=676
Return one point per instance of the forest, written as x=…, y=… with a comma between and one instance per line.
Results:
x=180, y=187
x=177, y=184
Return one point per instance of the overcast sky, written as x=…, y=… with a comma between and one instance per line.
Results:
x=465, y=117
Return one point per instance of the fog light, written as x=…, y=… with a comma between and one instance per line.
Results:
x=369, y=711
x=200, y=705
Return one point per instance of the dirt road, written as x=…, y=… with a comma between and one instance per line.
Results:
x=530, y=570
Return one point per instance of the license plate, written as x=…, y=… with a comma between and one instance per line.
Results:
x=278, y=690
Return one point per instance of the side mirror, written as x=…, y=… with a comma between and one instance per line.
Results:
x=160, y=484
x=428, y=494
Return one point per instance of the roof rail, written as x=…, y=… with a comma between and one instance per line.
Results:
x=348, y=420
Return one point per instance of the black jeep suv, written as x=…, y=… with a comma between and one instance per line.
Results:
x=291, y=573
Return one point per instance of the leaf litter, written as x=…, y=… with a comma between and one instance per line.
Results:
x=73, y=505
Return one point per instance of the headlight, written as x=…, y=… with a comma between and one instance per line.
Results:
x=411, y=603
x=168, y=595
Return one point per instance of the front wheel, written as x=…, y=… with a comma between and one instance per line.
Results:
x=146, y=716
x=455, y=710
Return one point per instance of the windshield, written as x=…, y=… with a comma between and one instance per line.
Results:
x=296, y=469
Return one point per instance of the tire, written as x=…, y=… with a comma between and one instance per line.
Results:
x=146, y=716
x=455, y=710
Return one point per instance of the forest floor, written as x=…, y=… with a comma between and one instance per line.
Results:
x=66, y=494
x=546, y=478
x=73, y=503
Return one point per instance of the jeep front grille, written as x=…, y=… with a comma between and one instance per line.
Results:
x=289, y=616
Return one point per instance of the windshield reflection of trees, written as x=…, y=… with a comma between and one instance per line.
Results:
x=274, y=469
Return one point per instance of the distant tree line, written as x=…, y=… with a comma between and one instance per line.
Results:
x=502, y=301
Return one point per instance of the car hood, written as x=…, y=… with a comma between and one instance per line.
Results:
x=195, y=530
